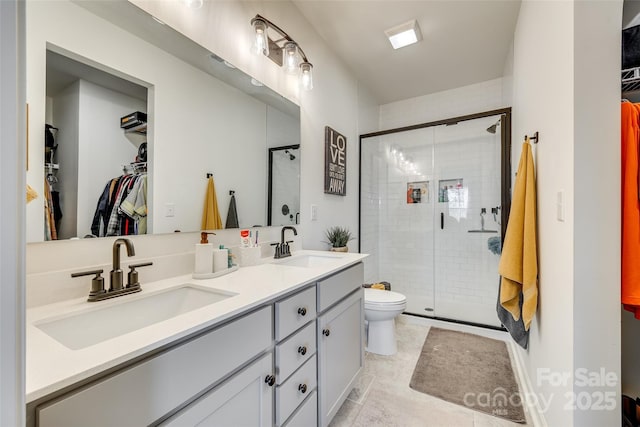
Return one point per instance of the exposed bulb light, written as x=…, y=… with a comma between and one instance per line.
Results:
x=158, y=20
x=306, y=75
x=228, y=64
x=193, y=4
x=261, y=43
x=290, y=50
x=284, y=51
x=404, y=34
x=256, y=82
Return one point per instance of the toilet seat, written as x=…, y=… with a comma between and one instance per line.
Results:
x=377, y=299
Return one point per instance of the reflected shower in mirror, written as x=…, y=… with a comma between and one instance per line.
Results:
x=284, y=185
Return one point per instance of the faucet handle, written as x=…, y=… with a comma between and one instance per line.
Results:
x=97, y=283
x=132, y=276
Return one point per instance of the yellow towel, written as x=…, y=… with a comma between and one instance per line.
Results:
x=519, y=261
x=31, y=193
x=211, y=215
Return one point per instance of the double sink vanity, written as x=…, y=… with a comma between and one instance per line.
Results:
x=280, y=343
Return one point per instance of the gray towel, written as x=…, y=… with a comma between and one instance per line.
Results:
x=494, y=244
x=515, y=327
x=232, y=215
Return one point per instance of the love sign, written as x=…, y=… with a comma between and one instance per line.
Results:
x=335, y=162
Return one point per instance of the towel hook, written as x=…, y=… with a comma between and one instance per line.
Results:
x=533, y=138
x=231, y=192
x=209, y=174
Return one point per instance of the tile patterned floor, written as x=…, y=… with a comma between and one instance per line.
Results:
x=383, y=396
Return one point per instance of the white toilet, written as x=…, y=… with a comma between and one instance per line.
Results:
x=380, y=309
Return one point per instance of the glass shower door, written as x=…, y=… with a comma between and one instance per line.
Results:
x=467, y=170
x=397, y=215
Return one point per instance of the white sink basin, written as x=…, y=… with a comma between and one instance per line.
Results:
x=308, y=260
x=90, y=327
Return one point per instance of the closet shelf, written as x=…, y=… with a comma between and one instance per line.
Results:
x=140, y=129
x=631, y=79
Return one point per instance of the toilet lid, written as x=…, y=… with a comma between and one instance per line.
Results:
x=378, y=296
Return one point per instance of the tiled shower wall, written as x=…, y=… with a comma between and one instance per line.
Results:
x=448, y=270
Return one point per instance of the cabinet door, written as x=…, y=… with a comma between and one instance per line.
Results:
x=340, y=354
x=244, y=400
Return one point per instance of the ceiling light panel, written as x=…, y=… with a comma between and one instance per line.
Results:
x=404, y=34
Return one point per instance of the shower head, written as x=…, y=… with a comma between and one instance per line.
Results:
x=291, y=156
x=493, y=127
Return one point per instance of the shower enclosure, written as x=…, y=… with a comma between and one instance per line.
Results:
x=434, y=200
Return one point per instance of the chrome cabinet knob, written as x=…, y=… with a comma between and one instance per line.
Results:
x=302, y=311
x=302, y=388
x=326, y=332
x=302, y=350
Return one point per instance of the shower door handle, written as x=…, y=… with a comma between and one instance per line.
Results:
x=441, y=220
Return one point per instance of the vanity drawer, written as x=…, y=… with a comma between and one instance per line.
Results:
x=289, y=353
x=294, y=312
x=334, y=288
x=290, y=394
x=143, y=393
x=307, y=414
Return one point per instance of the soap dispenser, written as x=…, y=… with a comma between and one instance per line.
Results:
x=204, y=254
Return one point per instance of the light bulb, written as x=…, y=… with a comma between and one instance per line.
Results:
x=290, y=50
x=306, y=75
x=261, y=44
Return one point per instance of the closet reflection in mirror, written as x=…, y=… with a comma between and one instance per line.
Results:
x=96, y=170
x=203, y=117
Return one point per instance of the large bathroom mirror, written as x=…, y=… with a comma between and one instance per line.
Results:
x=203, y=116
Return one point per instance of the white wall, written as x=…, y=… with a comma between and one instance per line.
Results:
x=12, y=212
x=65, y=111
x=573, y=102
x=194, y=119
x=464, y=100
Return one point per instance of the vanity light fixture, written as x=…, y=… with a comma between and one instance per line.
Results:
x=404, y=34
x=284, y=51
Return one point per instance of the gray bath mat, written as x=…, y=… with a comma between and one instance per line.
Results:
x=471, y=371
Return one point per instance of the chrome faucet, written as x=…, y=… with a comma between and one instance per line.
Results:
x=116, y=288
x=282, y=248
x=116, y=273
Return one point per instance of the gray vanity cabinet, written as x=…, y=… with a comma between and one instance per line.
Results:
x=290, y=363
x=340, y=339
x=244, y=400
x=146, y=392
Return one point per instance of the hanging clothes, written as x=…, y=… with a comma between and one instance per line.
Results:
x=630, y=236
x=50, y=232
x=122, y=207
x=519, y=261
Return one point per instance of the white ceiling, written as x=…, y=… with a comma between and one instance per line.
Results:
x=464, y=42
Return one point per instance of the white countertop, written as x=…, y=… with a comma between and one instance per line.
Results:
x=51, y=366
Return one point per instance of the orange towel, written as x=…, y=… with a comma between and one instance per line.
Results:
x=630, y=210
x=519, y=260
x=211, y=215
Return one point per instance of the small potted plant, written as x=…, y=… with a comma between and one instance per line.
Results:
x=338, y=237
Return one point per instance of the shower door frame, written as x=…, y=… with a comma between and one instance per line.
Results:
x=505, y=172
